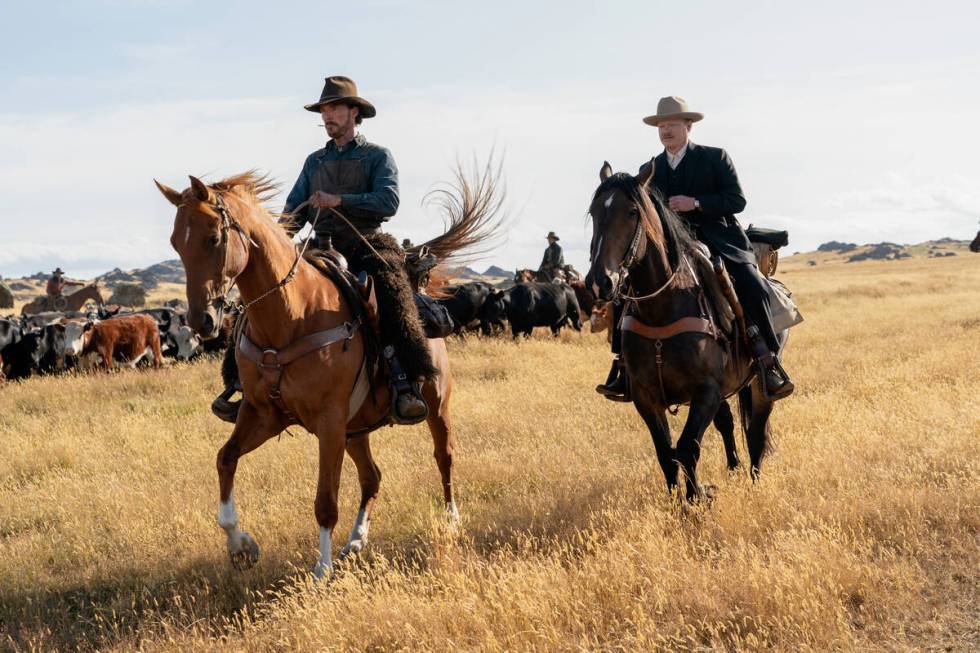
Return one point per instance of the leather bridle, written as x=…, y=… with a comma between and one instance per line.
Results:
x=220, y=302
x=630, y=259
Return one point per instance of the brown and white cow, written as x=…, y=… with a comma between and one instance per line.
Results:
x=129, y=337
x=601, y=319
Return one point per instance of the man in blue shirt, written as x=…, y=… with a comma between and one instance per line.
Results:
x=360, y=180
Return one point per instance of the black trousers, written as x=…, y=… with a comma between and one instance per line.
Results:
x=752, y=292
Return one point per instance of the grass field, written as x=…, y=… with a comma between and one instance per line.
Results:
x=861, y=535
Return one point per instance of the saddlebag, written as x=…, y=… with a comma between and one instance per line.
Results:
x=435, y=318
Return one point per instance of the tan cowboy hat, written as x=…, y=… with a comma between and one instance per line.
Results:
x=551, y=234
x=342, y=89
x=672, y=108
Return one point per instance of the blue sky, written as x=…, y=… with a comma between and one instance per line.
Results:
x=851, y=121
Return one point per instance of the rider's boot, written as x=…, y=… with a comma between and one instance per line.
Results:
x=616, y=387
x=408, y=406
x=776, y=383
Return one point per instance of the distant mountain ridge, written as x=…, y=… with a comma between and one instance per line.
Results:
x=883, y=251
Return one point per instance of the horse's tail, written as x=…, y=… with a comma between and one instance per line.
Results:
x=471, y=205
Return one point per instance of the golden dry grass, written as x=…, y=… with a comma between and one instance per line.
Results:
x=862, y=534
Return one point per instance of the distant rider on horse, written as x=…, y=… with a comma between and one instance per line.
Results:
x=360, y=180
x=554, y=259
x=56, y=285
x=701, y=186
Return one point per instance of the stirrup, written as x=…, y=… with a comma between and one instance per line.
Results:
x=224, y=409
x=616, y=388
x=401, y=389
x=785, y=390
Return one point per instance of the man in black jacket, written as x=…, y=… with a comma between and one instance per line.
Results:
x=700, y=184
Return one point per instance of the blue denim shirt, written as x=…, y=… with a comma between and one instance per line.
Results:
x=378, y=204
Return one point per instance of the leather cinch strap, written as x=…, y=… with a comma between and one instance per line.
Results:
x=683, y=325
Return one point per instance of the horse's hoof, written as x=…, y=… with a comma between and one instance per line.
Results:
x=452, y=514
x=322, y=571
x=244, y=553
x=708, y=492
x=352, y=548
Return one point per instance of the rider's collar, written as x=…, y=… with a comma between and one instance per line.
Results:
x=357, y=141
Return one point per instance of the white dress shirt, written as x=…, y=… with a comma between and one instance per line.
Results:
x=674, y=160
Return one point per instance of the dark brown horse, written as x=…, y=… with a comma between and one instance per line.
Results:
x=695, y=365
x=224, y=236
x=73, y=302
x=975, y=245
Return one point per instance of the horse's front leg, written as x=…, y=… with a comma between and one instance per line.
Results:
x=332, y=436
x=704, y=407
x=251, y=430
x=655, y=418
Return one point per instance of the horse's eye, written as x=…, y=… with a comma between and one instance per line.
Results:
x=214, y=240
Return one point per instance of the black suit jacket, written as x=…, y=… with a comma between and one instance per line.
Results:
x=708, y=175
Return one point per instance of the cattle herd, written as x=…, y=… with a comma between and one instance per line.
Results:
x=54, y=342
x=478, y=306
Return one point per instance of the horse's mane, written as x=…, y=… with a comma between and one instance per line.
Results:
x=679, y=239
x=256, y=185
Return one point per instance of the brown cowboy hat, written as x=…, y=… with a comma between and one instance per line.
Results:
x=551, y=234
x=672, y=108
x=342, y=89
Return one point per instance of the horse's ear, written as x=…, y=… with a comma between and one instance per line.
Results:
x=646, y=173
x=605, y=172
x=172, y=196
x=200, y=189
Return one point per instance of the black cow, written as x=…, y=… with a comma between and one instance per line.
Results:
x=529, y=305
x=10, y=334
x=40, y=351
x=464, y=303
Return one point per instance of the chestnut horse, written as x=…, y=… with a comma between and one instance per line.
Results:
x=73, y=302
x=224, y=236
x=672, y=355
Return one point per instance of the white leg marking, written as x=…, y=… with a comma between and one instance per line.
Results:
x=228, y=519
x=452, y=512
x=242, y=548
x=358, y=536
x=324, y=566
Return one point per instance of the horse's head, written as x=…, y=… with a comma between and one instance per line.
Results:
x=622, y=215
x=524, y=276
x=212, y=255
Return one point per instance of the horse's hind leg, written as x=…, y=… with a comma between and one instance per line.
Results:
x=440, y=425
x=369, y=476
x=704, y=406
x=756, y=409
x=251, y=430
x=725, y=423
